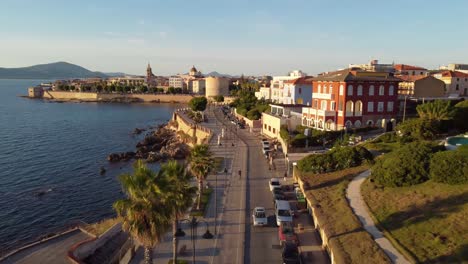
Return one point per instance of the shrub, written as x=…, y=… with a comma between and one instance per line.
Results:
x=408, y=165
x=337, y=159
x=198, y=103
x=418, y=128
x=253, y=114
x=299, y=140
x=284, y=133
x=450, y=166
x=218, y=98
x=461, y=112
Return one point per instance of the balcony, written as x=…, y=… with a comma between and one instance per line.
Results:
x=323, y=96
x=349, y=113
x=357, y=113
x=325, y=113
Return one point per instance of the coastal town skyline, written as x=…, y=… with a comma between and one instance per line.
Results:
x=254, y=39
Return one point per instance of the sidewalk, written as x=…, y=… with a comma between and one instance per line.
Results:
x=353, y=193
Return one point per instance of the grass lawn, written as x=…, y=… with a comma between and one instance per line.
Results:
x=351, y=243
x=430, y=220
x=100, y=227
x=205, y=199
x=382, y=146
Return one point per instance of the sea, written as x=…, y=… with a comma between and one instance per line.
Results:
x=50, y=159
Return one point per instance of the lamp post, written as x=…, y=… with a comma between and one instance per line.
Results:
x=193, y=232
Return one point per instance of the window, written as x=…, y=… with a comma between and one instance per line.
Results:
x=390, y=107
x=324, y=105
x=324, y=89
x=341, y=89
x=390, y=90
x=370, y=107
x=359, y=90
x=382, y=90
x=350, y=90
x=300, y=90
x=269, y=128
x=274, y=131
x=371, y=90
x=265, y=126
x=357, y=124
x=340, y=106
x=380, y=107
x=315, y=103
x=319, y=89
x=456, y=87
x=332, y=106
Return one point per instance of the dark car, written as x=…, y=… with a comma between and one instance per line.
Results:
x=290, y=254
x=278, y=196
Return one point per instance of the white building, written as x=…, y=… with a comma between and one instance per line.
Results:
x=277, y=85
x=176, y=81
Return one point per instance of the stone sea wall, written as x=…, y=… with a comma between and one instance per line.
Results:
x=115, y=97
x=197, y=133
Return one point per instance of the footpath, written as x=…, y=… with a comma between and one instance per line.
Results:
x=353, y=193
x=227, y=246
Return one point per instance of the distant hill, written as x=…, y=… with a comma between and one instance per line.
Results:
x=217, y=74
x=117, y=74
x=56, y=70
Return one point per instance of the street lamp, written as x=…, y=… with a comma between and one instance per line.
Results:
x=193, y=232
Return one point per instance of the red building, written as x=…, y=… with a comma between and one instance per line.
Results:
x=352, y=99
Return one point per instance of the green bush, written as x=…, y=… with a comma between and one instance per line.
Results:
x=338, y=158
x=218, y=98
x=461, y=112
x=406, y=166
x=422, y=129
x=253, y=114
x=450, y=166
x=284, y=133
x=299, y=140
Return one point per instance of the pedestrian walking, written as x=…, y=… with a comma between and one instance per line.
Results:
x=285, y=175
x=240, y=173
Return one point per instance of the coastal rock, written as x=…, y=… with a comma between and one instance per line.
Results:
x=138, y=131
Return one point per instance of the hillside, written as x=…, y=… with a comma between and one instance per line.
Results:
x=56, y=70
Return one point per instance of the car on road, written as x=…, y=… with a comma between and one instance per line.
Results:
x=278, y=197
x=299, y=195
x=265, y=143
x=274, y=183
x=290, y=254
x=265, y=150
x=282, y=212
x=286, y=233
x=259, y=216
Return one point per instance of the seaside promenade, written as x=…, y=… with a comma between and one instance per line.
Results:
x=227, y=246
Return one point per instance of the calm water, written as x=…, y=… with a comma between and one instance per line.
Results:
x=59, y=148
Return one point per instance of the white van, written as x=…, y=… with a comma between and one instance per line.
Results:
x=282, y=212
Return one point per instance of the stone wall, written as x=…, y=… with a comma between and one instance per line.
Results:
x=107, y=97
x=195, y=131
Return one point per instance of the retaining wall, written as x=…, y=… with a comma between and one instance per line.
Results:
x=104, y=97
x=186, y=125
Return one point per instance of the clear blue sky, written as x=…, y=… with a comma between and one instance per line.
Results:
x=251, y=37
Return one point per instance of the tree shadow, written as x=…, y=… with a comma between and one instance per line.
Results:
x=460, y=256
x=439, y=208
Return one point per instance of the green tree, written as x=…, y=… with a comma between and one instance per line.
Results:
x=198, y=104
x=419, y=128
x=144, y=212
x=461, y=113
x=437, y=110
x=171, y=90
x=179, y=194
x=201, y=163
x=218, y=98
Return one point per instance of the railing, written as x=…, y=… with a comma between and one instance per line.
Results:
x=322, y=96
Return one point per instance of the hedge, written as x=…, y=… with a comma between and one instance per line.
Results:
x=450, y=166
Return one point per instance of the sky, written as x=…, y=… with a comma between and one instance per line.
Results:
x=252, y=37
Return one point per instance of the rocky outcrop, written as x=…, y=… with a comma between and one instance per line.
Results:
x=158, y=145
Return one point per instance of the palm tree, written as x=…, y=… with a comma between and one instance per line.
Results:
x=437, y=110
x=143, y=212
x=180, y=194
x=201, y=163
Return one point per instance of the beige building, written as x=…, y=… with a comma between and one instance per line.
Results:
x=420, y=86
x=288, y=115
x=216, y=86
x=35, y=92
x=456, y=83
x=197, y=86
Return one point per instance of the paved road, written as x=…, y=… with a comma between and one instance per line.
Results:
x=51, y=251
x=353, y=193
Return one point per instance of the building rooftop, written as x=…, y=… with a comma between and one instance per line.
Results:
x=355, y=75
x=302, y=80
x=405, y=67
x=454, y=74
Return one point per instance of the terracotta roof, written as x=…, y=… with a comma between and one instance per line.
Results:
x=454, y=74
x=404, y=67
x=411, y=78
x=301, y=80
x=353, y=75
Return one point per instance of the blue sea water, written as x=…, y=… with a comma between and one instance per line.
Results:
x=58, y=149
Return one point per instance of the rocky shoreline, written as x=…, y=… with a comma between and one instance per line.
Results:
x=159, y=145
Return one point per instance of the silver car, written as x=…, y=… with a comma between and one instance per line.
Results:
x=259, y=216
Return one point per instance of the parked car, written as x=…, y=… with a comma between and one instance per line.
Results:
x=286, y=233
x=274, y=182
x=278, y=197
x=299, y=195
x=282, y=212
x=290, y=254
x=265, y=150
x=259, y=217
